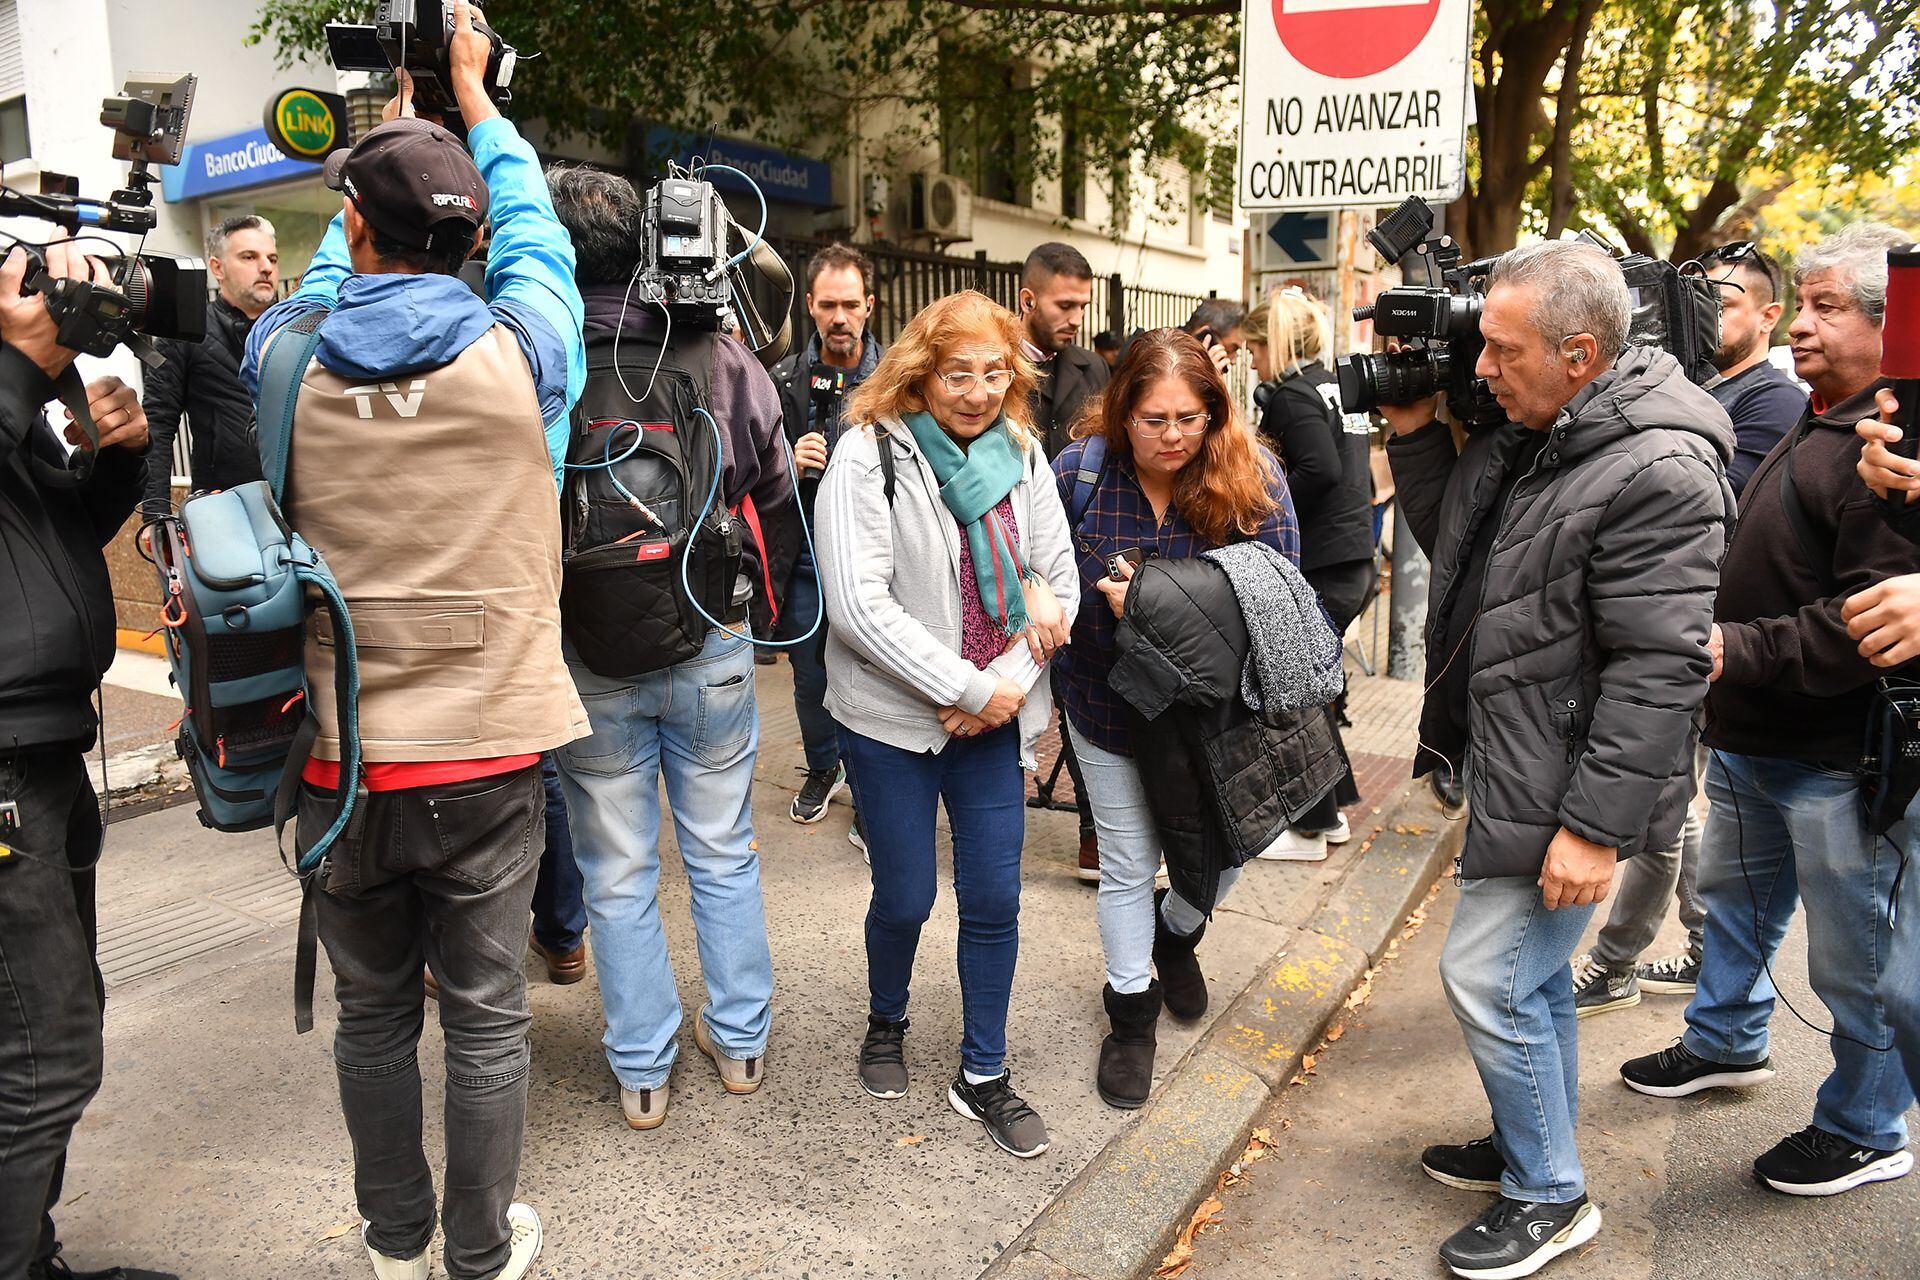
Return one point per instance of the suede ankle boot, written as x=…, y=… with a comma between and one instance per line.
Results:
x=1126, y=1055
x=1182, y=982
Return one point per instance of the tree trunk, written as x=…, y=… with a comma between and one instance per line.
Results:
x=1528, y=44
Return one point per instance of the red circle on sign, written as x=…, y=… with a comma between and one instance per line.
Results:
x=1347, y=39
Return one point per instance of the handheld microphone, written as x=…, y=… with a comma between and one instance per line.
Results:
x=1900, y=343
x=825, y=385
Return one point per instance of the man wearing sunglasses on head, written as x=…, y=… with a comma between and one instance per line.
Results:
x=1762, y=401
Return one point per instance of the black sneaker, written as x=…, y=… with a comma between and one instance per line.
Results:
x=1672, y=976
x=1450, y=789
x=1814, y=1162
x=1601, y=990
x=1470, y=1166
x=883, y=1058
x=1676, y=1071
x=1516, y=1238
x=1011, y=1123
x=817, y=792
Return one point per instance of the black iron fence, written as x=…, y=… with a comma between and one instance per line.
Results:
x=905, y=280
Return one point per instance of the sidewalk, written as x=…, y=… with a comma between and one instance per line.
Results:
x=215, y=1147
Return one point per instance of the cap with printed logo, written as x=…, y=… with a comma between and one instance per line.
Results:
x=413, y=181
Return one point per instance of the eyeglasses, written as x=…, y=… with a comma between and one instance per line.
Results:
x=1191, y=425
x=962, y=382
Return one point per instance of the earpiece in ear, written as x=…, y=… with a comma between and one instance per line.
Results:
x=1578, y=355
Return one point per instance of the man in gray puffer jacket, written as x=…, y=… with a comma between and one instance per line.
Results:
x=1576, y=552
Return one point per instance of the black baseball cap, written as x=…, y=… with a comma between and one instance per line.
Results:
x=413, y=181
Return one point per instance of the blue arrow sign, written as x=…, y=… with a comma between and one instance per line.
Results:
x=1296, y=234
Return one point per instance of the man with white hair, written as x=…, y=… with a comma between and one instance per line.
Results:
x=1786, y=719
x=1575, y=552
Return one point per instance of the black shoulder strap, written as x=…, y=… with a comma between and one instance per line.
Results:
x=889, y=473
x=288, y=353
x=1796, y=512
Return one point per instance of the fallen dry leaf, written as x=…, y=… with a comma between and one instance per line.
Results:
x=911, y=1140
x=341, y=1230
x=1180, y=1257
x=1336, y=1031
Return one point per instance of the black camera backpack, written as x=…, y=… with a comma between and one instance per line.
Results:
x=1676, y=311
x=642, y=467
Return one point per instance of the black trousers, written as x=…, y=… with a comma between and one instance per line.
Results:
x=51, y=995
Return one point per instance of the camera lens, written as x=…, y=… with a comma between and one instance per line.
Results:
x=1372, y=379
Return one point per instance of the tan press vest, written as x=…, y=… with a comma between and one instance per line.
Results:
x=431, y=497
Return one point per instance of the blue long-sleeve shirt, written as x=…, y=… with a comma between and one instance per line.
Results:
x=387, y=326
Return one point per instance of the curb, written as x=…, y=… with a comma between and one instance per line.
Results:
x=1118, y=1218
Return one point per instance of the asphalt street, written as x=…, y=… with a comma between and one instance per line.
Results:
x=1342, y=1195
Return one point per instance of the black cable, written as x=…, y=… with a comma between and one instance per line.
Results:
x=1759, y=942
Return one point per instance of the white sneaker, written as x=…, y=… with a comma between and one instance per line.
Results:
x=1296, y=846
x=525, y=1225
x=386, y=1268
x=859, y=842
x=1341, y=833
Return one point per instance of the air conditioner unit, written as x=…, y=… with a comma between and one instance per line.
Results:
x=942, y=207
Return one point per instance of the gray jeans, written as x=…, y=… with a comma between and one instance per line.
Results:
x=1647, y=884
x=441, y=875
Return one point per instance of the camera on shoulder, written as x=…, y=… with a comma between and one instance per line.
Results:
x=414, y=36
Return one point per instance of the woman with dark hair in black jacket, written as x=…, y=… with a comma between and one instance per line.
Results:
x=1328, y=473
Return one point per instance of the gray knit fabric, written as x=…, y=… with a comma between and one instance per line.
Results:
x=1293, y=660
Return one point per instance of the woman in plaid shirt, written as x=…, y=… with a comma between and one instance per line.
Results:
x=1182, y=473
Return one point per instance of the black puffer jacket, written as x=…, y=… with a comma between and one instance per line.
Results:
x=56, y=606
x=202, y=380
x=1220, y=778
x=1588, y=659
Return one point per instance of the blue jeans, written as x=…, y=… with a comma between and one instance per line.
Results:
x=818, y=733
x=1130, y=853
x=696, y=725
x=1778, y=826
x=985, y=791
x=559, y=911
x=1506, y=972
x=1900, y=984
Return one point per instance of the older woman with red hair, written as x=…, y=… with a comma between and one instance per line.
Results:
x=950, y=584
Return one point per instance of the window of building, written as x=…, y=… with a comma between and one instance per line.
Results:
x=1073, y=169
x=980, y=139
x=14, y=143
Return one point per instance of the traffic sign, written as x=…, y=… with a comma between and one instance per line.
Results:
x=1349, y=103
x=1300, y=240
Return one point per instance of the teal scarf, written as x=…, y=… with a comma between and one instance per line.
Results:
x=972, y=483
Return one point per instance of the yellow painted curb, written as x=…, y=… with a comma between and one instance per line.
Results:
x=140, y=642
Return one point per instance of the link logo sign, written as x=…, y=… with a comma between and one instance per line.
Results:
x=1347, y=103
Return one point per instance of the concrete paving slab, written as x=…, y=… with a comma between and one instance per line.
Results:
x=215, y=1147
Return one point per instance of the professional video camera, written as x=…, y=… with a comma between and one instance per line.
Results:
x=1441, y=319
x=690, y=268
x=1675, y=310
x=414, y=36
x=152, y=295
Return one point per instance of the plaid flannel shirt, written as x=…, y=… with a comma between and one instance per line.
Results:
x=1120, y=517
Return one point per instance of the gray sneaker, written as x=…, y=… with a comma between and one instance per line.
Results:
x=1011, y=1123
x=1670, y=976
x=1601, y=990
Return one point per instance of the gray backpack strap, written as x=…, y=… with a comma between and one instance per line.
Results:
x=289, y=351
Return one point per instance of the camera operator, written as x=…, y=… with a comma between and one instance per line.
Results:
x=431, y=433
x=1764, y=404
x=202, y=379
x=1602, y=504
x=814, y=387
x=1786, y=718
x=1056, y=288
x=56, y=640
x=692, y=723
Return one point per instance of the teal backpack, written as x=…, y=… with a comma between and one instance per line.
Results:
x=238, y=586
